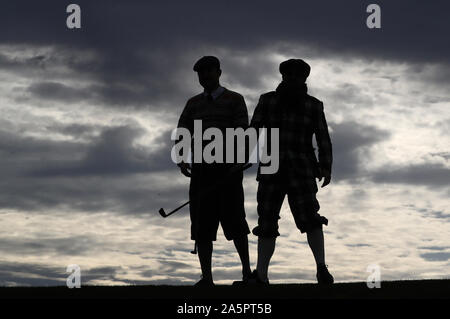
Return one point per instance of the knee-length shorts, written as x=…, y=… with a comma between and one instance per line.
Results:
x=301, y=194
x=216, y=198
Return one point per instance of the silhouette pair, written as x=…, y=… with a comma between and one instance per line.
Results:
x=298, y=116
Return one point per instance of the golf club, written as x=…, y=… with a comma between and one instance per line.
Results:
x=233, y=170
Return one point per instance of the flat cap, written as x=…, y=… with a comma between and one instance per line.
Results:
x=296, y=65
x=207, y=62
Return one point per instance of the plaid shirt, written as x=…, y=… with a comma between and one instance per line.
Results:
x=297, y=124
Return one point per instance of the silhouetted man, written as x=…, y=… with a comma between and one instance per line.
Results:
x=220, y=108
x=298, y=116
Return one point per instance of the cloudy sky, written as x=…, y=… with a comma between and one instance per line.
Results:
x=86, y=116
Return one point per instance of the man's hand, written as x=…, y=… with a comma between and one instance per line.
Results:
x=185, y=169
x=326, y=177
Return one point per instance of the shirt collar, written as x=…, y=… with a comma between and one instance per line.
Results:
x=216, y=93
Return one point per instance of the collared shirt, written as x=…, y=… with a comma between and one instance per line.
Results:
x=216, y=93
x=227, y=109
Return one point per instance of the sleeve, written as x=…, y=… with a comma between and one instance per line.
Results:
x=240, y=119
x=257, y=121
x=323, y=141
x=241, y=114
x=186, y=119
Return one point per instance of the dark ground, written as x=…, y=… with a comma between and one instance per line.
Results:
x=423, y=289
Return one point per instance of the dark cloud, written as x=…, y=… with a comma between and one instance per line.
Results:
x=18, y=147
x=436, y=256
x=106, y=173
x=428, y=212
x=100, y=273
x=152, y=86
x=21, y=65
x=100, y=174
x=144, y=51
x=65, y=246
x=30, y=274
x=20, y=154
x=33, y=274
x=440, y=248
x=74, y=130
x=120, y=195
x=434, y=175
x=112, y=152
x=169, y=266
x=324, y=24
x=58, y=91
x=444, y=155
x=351, y=145
x=435, y=99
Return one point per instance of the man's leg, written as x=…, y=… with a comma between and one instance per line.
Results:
x=241, y=244
x=316, y=243
x=304, y=206
x=266, y=248
x=233, y=219
x=205, y=248
x=270, y=197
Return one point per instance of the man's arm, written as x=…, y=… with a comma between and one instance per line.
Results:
x=241, y=114
x=257, y=122
x=186, y=121
x=324, y=146
x=240, y=120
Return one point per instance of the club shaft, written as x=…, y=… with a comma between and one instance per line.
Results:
x=243, y=168
x=177, y=209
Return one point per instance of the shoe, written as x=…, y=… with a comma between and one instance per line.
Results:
x=255, y=279
x=204, y=283
x=246, y=279
x=323, y=276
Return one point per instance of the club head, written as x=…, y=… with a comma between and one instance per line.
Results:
x=194, y=252
x=162, y=212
